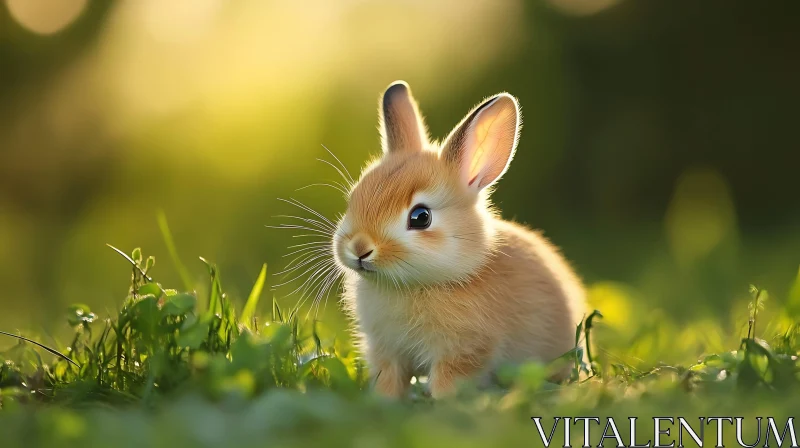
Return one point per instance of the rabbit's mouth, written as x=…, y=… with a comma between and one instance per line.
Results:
x=366, y=266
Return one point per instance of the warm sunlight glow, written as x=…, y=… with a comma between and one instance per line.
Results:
x=232, y=68
x=45, y=16
x=177, y=20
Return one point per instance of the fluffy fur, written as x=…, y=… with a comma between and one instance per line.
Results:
x=470, y=291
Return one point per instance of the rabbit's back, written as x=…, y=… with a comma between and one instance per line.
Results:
x=544, y=299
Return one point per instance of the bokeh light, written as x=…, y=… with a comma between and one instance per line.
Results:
x=615, y=300
x=582, y=7
x=45, y=16
x=700, y=216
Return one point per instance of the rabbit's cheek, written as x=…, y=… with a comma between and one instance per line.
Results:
x=432, y=239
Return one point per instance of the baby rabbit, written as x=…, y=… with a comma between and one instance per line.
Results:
x=437, y=283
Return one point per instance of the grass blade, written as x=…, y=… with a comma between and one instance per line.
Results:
x=214, y=294
x=52, y=351
x=252, y=301
x=130, y=260
x=173, y=252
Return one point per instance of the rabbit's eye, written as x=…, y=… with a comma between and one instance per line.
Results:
x=419, y=218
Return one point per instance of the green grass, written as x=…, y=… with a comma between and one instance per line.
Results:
x=175, y=369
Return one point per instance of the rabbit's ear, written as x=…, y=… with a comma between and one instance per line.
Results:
x=482, y=145
x=401, y=125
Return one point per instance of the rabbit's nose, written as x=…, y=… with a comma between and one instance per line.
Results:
x=362, y=247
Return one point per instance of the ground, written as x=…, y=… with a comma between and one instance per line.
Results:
x=174, y=370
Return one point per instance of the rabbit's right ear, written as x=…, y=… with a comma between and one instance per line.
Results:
x=401, y=125
x=481, y=147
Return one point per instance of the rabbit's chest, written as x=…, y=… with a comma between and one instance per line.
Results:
x=407, y=324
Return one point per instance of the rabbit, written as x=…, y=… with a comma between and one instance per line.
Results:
x=436, y=282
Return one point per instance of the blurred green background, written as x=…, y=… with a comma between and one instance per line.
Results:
x=659, y=145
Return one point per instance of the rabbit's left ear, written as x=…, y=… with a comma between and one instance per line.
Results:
x=401, y=125
x=482, y=145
